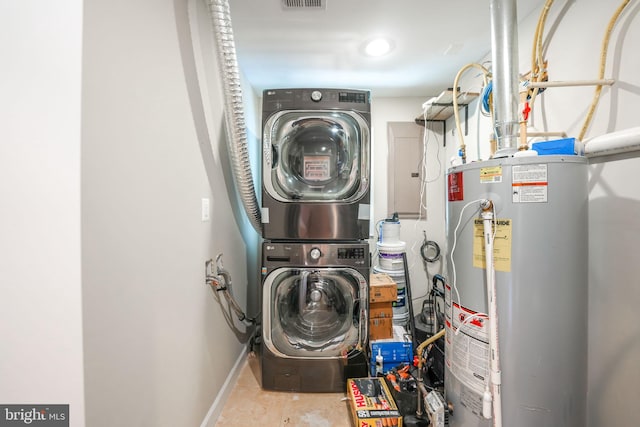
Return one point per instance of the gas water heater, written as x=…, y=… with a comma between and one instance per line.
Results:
x=540, y=260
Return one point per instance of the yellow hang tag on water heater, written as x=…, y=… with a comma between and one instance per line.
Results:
x=501, y=245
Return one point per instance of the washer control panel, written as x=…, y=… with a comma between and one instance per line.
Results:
x=316, y=95
x=315, y=253
x=351, y=253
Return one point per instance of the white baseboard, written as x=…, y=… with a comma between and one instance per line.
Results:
x=216, y=408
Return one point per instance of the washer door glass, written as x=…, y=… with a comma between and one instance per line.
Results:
x=316, y=156
x=314, y=312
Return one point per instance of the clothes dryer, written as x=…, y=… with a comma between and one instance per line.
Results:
x=314, y=315
x=316, y=164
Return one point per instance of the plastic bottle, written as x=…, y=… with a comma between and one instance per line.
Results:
x=379, y=364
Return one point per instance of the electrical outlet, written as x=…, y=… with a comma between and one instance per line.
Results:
x=206, y=208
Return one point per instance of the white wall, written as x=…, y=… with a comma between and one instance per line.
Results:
x=614, y=334
x=158, y=344
x=40, y=287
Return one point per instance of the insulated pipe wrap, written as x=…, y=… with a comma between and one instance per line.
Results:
x=234, y=110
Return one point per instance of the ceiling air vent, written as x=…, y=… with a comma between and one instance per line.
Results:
x=304, y=4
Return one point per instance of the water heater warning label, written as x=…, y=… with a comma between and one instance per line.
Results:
x=529, y=183
x=455, y=187
x=467, y=345
x=491, y=174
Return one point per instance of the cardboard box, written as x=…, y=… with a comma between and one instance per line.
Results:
x=380, y=328
x=381, y=310
x=382, y=288
x=371, y=403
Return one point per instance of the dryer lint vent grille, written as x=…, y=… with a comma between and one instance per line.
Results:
x=304, y=4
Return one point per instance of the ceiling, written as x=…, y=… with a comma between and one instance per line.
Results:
x=322, y=47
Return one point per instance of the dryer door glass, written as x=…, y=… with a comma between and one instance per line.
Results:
x=316, y=156
x=315, y=312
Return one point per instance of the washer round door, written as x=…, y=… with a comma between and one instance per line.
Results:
x=314, y=312
x=316, y=156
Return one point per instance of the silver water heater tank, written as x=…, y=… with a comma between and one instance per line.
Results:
x=540, y=257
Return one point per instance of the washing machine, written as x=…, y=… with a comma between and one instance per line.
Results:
x=316, y=164
x=314, y=315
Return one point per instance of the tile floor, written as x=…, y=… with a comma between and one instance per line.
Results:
x=248, y=404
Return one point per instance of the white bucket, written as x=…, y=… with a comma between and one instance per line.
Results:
x=401, y=319
x=400, y=306
x=389, y=232
x=390, y=255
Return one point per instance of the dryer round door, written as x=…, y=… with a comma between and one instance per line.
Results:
x=317, y=313
x=316, y=156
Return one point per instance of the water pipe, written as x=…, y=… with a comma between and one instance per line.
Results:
x=487, y=216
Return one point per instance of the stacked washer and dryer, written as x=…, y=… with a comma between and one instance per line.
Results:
x=315, y=256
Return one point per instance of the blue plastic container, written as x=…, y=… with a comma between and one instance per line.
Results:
x=392, y=351
x=558, y=146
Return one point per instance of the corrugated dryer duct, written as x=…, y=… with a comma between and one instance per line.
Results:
x=234, y=110
x=304, y=4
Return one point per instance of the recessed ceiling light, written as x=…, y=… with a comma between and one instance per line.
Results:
x=378, y=47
